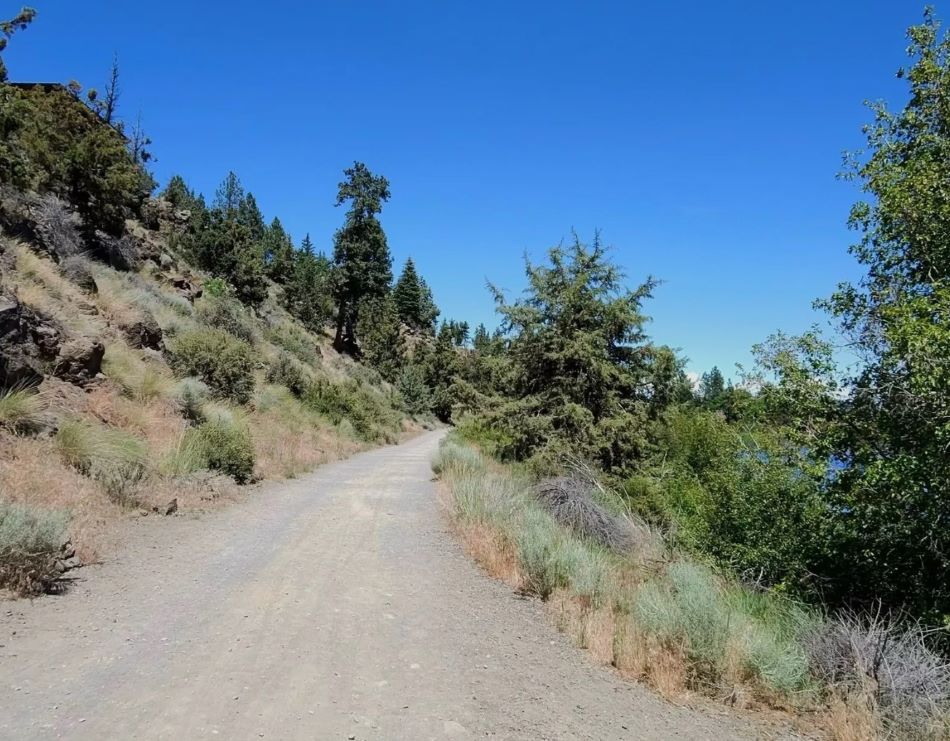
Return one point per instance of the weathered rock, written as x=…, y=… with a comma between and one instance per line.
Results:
x=72, y=562
x=76, y=270
x=46, y=222
x=144, y=332
x=28, y=343
x=122, y=253
x=79, y=360
x=187, y=288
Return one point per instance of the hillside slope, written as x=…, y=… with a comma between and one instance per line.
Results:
x=136, y=380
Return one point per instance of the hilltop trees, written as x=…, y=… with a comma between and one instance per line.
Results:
x=19, y=22
x=362, y=264
x=414, y=300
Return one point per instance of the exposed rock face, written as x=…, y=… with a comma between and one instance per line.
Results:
x=28, y=343
x=45, y=221
x=122, y=253
x=79, y=360
x=144, y=333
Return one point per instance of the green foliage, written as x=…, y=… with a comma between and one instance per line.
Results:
x=580, y=364
x=19, y=22
x=278, y=253
x=221, y=310
x=372, y=417
x=30, y=540
x=227, y=241
x=309, y=290
x=221, y=360
x=413, y=391
x=382, y=345
x=361, y=260
x=288, y=371
x=52, y=142
x=179, y=195
x=113, y=457
x=413, y=300
x=221, y=444
x=884, y=427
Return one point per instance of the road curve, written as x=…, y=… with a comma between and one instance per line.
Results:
x=333, y=606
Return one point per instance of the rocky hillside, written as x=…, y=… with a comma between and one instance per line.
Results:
x=134, y=384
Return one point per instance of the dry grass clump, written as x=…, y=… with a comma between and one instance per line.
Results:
x=571, y=502
x=882, y=672
x=32, y=474
x=109, y=455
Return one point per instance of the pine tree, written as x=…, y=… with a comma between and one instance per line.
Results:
x=229, y=196
x=309, y=293
x=250, y=216
x=407, y=295
x=362, y=264
x=278, y=252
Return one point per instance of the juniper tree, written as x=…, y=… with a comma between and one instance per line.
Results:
x=580, y=360
x=362, y=264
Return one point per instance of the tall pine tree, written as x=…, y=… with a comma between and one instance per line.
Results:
x=362, y=264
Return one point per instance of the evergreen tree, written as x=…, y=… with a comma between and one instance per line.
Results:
x=229, y=196
x=362, y=264
x=250, y=216
x=407, y=294
x=309, y=293
x=711, y=387
x=580, y=374
x=428, y=312
x=278, y=253
x=382, y=345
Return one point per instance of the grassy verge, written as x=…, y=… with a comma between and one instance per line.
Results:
x=680, y=625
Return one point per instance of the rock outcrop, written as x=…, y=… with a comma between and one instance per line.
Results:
x=29, y=343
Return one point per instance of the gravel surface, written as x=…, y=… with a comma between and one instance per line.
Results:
x=335, y=606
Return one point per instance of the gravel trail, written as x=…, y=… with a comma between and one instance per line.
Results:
x=334, y=606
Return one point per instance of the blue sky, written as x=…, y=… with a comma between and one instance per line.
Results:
x=702, y=138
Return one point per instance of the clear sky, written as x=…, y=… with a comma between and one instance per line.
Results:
x=702, y=138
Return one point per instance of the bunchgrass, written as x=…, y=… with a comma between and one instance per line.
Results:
x=111, y=456
x=726, y=633
x=21, y=409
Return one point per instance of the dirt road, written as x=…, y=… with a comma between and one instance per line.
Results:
x=336, y=606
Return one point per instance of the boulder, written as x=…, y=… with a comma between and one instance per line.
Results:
x=46, y=222
x=76, y=270
x=28, y=343
x=79, y=360
x=122, y=253
x=144, y=332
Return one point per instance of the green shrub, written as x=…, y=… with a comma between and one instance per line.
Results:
x=287, y=371
x=367, y=412
x=227, y=313
x=30, y=541
x=295, y=340
x=21, y=409
x=111, y=456
x=219, y=445
x=191, y=394
x=221, y=360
